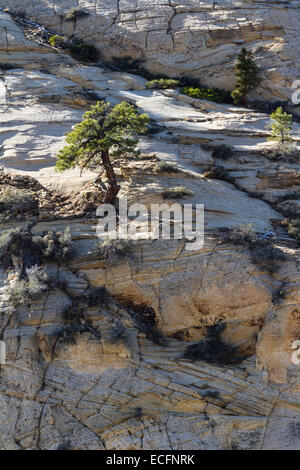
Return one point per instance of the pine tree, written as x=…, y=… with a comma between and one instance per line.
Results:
x=281, y=128
x=104, y=131
x=247, y=78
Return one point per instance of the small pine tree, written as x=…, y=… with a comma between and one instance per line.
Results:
x=247, y=78
x=104, y=131
x=281, y=128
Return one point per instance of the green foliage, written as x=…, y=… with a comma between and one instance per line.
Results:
x=79, y=49
x=104, y=131
x=247, y=78
x=213, y=349
x=57, y=41
x=211, y=94
x=177, y=192
x=281, y=128
x=31, y=287
x=163, y=83
x=83, y=51
x=16, y=203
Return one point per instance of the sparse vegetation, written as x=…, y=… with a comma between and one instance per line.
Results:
x=32, y=249
x=75, y=13
x=112, y=131
x=163, y=83
x=247, y=78
x=262, y=249
x=211, y=94
x=30, y=287
x=67, y=334
x=16, y=203
x=213, y=349
x=177, y=193
x=281, y=127
x=78, y=49
x=57, y=41
x=221, y=151
x=219, y=173
x=287, y=152
x=293, y=228
x=114, y=250
x=83, y=51
x=165, y=167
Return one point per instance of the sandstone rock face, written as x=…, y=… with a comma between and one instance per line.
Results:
x=107, y=385
x=187, y=38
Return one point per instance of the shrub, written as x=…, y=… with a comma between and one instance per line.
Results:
x=53, y=245
x=32, y=249
x=57, y=41
x=31, y=287
x=84, y=51
x=262, y=249
x=163, y=83
x=219, y=173
x=293, y=228
x=75, y=13
x=113, y=250
x=213, y=349
x=221, y=151
x=211, y=94
x=286, y=152
x=177, y=192
x=16, y=203
x=165, y=167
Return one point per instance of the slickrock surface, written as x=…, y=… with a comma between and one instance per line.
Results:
x=96, y=393
x=190, y=37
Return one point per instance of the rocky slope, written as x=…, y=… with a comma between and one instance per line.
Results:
x=97, y=392
x=188, y=38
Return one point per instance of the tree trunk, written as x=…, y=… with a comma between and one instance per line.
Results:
x=113, y=187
